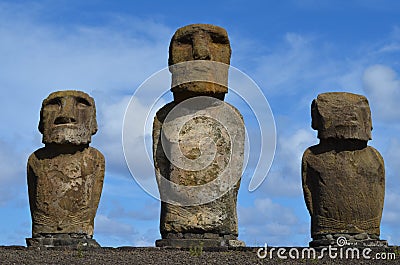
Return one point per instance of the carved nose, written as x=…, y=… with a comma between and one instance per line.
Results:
x=201, y=51
x=201, y=54
x=68, y=112
x=64, y=120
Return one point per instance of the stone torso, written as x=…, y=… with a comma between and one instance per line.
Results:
x=64, y=190
x=206, y=152
x=344, y=189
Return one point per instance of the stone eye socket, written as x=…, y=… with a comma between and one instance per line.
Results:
x=54, y=102
x=218, y=38
x=184, y=40
x=81, y=102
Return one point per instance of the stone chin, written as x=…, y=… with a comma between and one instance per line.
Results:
x=200, y=76
x=67, y=135
x=341, y=115
x=200, y=88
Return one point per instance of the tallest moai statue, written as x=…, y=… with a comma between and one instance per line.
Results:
x=343, y=177
x=198, y=143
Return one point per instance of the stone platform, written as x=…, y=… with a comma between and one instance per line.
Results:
x=361, y=240
x=207, y=240
x=207, y=243
x=62, y=240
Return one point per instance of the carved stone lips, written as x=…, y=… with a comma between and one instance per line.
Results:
x=64, y=121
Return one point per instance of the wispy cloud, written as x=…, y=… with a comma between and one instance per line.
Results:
x=149, y=211
x=382, y=85
x=269, y=222
x=284, y=179
x=109, y=227
x=12, y=173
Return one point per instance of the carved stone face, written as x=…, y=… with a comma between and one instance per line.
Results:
x=200, y=42
x=341, y=115
x=68, y=117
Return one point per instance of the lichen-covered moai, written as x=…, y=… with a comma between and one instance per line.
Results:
x=198, y=144
x=65, y=178
x=343, y=178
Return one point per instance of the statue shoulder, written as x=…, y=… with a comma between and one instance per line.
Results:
x=36, y=156
x=163, y=112
x=96, y=153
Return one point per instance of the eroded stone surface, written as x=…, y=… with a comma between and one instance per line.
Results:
x=68, y=117
x=343, y=178
x=65, y=178
x=200, y=43
x=218, y=216
x=344, y=190
x=341, y=115
x=348, y=240
x=196, y=152
x=64, y=190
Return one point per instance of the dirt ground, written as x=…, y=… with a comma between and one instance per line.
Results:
x=152, y=255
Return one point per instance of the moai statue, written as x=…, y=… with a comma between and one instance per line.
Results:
x=198, y=144
x=343, y=177
x=65, y=177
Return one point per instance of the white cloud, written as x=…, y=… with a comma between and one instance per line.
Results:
x=285, y=65
x=304, y=65
x=144, y=242
x=291, y=147
x=136, y=149
x=266, y=207
x=392, y=47
x=39, y=58
x=392, y=208
x=110, y=232
x=284, y=178
x=281, y=184
x=382, y=85
x=295, y=40
x=392, y=157
x=391, y=211
x=267, y=212
x=109, y=227
x=391, y=217
x=110, y=133
x=12, y=173
x=392, y=44
x=268, y=222
x=148, y=212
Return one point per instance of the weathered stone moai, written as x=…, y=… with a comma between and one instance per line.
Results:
x=343, y=177
x=198, y=144
x=65, y=178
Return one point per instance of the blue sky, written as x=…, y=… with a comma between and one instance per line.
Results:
x=293, y=50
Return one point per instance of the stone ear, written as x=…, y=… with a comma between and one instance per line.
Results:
x=41, y=126
x=314, y=115
x=94, y=126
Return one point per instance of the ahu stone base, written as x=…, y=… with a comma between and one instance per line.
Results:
x=187, y=241
x=63, y=240
x=348, y=240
